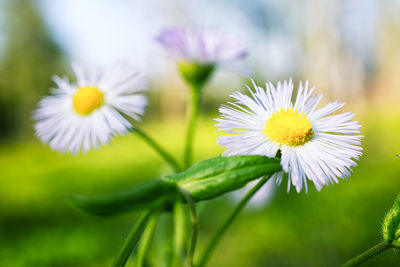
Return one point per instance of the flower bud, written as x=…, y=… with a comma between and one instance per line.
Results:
x=391, y=224
x=195, y=73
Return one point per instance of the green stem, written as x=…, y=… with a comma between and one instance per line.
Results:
x=224, y=227
x=144, y=244
x=193, y=114
x=160, y=150
x=367, y=255
x=179, y=231
x=133, y=239
x=193, y=240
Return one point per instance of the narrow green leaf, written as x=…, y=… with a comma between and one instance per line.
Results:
x=214, y=166
x=144, y=196
x=204, y=180
x=216, y=176
x=227, y=181
x=143, y=247
x=133, y=239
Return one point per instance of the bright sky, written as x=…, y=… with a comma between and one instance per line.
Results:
x=98, y=32
x=102, y=31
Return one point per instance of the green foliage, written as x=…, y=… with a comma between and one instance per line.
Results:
x=148, y=195
x=391, y=224
x=216, y=176
x=38, y=227
x=205, y=180
x=29, y=59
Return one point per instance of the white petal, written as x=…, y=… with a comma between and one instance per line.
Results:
x=327, y=157
x=65, y=130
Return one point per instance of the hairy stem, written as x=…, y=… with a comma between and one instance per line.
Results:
x=367, y=255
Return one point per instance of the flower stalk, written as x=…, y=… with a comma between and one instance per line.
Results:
x=158, y=148
x=367, y=255
x=390, y=233
x=193, y=239
x=193, y=114
x=224, y=227
x=180, y=235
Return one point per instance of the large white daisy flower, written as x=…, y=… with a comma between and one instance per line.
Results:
x=203, y=47
x=85, y=114
x=313, y=143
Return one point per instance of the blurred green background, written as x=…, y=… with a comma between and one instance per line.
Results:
x=348, y=49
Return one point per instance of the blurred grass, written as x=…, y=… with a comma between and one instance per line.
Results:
x=38, y=227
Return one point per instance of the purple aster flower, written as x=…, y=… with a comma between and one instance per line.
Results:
x=203, y=47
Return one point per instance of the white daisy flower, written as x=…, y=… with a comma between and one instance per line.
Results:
x=313, y=143
x=203, y=47
x=85, y=114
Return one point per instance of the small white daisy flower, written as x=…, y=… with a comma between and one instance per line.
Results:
x=203, y=47
x=85, y=114
x=314, y=144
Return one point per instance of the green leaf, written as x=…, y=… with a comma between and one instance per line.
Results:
x=133, y=239
x=391, y=224
x=204, y=180
x=144, y=196
x=216, y=176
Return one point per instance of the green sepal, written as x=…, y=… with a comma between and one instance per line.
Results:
x=216, y=176
x=147, y=195
x=196, y=73
x=391, y=224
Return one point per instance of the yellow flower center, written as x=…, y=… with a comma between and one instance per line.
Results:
x=289, y=127
x=86, y=99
